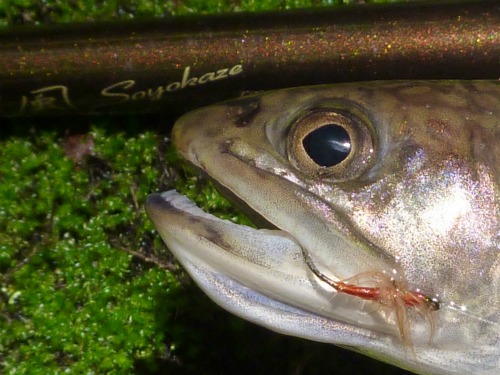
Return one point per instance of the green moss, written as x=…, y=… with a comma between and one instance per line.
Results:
x=33, y=11
x=86, y=285
x=71, y=297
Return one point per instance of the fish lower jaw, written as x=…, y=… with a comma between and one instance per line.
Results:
x=268, y=264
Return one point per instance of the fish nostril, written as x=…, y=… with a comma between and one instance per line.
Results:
x=242, y=111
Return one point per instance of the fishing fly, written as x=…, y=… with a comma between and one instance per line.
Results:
x=391, y=294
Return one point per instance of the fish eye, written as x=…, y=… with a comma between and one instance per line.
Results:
x=331, y=143
x=327, y=145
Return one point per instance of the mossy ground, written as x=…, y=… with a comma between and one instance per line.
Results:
x=86, y=285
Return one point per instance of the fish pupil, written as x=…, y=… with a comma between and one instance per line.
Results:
x=328, y=145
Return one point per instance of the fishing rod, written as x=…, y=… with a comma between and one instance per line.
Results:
x=176, y=64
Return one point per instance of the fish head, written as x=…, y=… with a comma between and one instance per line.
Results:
x=393, y=186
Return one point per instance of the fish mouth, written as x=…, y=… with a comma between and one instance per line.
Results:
x=261, y=275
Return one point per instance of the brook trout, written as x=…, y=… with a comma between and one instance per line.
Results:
x=383, y=204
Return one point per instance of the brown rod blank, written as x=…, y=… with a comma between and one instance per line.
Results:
x=170, y=66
